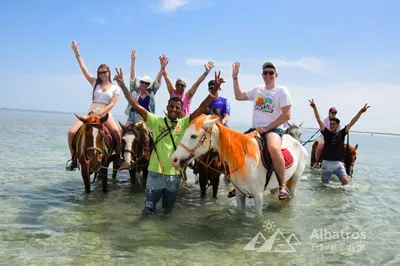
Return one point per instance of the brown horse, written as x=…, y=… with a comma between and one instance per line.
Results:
x=136, y=149
x=349, y=156
x=95, y=149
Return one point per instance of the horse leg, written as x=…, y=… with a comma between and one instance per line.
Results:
x=215, y=183
x=85, y=172
x=258, y=203
x=143, y=178
x=240, y=200
x=202, y=180
x=132, y=173
x=103, y=174
x=116, y=165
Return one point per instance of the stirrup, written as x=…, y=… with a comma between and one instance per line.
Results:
x=69, y=167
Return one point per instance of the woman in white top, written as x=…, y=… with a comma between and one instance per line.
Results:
x=105, y=95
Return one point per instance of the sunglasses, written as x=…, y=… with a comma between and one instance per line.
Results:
x=146, y=83
x=181, y=85
x=266, y=73
x=333, y=113
x=102, y=72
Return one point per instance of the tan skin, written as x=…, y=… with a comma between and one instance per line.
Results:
x=333, y=125
x=173, y=108
x=106, y=84
x=273, y=139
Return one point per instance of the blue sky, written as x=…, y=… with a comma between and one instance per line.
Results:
x=341, y=53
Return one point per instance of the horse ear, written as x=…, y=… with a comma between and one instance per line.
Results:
x=355, y=147
x=290, y=125
x=122, y=125
x=301, y=124
x=104, y=118
x=211, y=122
x=82, y=118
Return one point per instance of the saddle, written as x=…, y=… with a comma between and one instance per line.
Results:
x=267, y=161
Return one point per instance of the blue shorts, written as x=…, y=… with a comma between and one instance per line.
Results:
x=132, y=115
x=159, y=186
x=276, y=130
x=332, y=167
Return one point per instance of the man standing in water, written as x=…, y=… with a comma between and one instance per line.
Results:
x=333, y=150
x=163, y=179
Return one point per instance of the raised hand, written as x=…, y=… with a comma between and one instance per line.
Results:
x=74, y=47
x=119, y=77
x=235, y=69
x=163, y=61
x=218, y=80
x=133, y=54
x=209, y=66
x=365, y=107
x=312, y=103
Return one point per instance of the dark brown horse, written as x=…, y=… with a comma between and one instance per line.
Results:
x=95, y=149
x=209, y=167
x=136, y=149
x=349, y=156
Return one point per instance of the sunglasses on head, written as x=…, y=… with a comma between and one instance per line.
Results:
x=180, y=85
x=144, y=82
x=102, y=72
x=266, y=73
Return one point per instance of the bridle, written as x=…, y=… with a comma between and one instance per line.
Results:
x=93, y=148
x=201, y=143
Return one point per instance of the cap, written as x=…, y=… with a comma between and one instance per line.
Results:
x=269, y=65
x=332, y=110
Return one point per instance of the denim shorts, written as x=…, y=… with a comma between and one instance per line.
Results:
x=276, y=130
x=332, y=167
x=132, y=115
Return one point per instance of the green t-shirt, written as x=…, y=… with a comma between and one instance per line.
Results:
x=164, y=147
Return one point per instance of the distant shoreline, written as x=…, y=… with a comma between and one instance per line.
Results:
x=364, y=132
x=60, y=112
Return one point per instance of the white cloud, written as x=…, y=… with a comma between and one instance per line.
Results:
x=312, y=64
x=100, y=20
x=172, y=5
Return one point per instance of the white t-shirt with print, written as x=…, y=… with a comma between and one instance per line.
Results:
x=267, y=104
x=101, y=96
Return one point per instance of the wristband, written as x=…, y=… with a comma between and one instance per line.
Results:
x=77, y=55
x=235, y=78
x=205, y=73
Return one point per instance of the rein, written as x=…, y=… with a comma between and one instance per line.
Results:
x=310, y=139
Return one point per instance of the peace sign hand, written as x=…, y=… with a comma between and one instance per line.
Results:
x=312, y=103
x=364, y=109
x=218, y=80
x=119, y=77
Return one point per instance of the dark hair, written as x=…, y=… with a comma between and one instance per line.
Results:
x=98, y=79
x=335, y=119
x=175, y=99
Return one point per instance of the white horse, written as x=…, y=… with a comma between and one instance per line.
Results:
x=242, y=153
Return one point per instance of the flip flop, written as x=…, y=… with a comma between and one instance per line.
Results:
x=284, y=193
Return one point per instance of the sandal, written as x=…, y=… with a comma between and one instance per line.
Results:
x=232, y=193
x=284, y=193
x=71, y=165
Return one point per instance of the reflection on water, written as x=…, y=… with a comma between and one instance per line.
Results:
x=47, y=218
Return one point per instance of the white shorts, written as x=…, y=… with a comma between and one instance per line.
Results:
x=98, y=106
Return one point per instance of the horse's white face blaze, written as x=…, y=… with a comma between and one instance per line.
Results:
x=128, y=140
x=190, y=140
x=95, y=155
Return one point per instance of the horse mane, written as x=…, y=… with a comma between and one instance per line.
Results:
x=234, y=145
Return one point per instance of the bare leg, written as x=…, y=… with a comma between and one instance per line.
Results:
x=71, y=134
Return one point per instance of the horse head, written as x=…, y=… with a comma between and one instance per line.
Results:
x=196, y=141
x=135, y=143
x=294, y=130
x=350, y=157
x=91, y=143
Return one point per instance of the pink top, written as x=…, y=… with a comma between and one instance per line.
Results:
x=185, y=100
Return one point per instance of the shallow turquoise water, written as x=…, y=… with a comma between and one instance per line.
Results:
x=47, y=218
